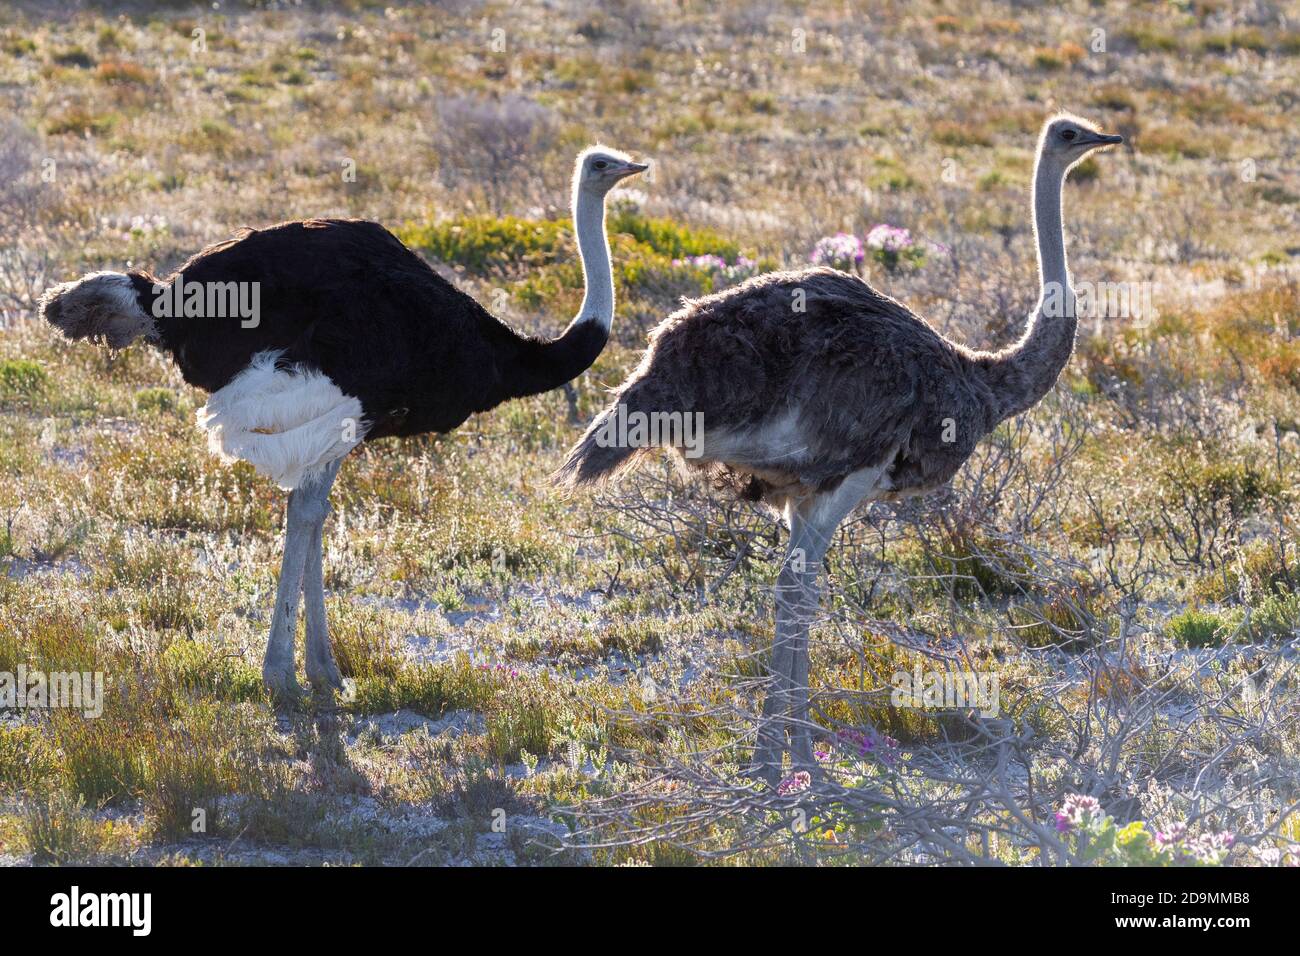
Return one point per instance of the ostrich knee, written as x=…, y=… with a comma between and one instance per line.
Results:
x=314, y=509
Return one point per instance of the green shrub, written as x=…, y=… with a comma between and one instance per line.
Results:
x=27, y=761
x=526, y=722
x=1151, y=41
x=1275, y=617
x=106, y=760
x=49, y=638
x=1086, y=171
x=1095, y=839
x=155, y=400
x=77, y=121
x=22, y=378
x=170, y=604
x=487, y=244
x=1260, y=568
x=199, y=668
x=1195, y=628
x=60, y=831
x=484, y=244
x=205, y=752
x=366, y=645
x=672, y=239
x=1231, y=41
x=429, y=689
x=1241, y=484
x=974, y=566
x=17, y=45
x=73, y=56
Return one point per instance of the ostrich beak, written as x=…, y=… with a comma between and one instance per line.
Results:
x=1105, y=139
x=631, y=169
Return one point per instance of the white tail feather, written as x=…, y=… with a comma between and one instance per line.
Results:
x=286, y=423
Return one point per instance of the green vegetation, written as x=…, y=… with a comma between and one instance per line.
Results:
x=21, y=378
x=1122, y=556
x=1193, y=628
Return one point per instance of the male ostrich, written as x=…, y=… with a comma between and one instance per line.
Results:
x=819, y=393
x=356, y=339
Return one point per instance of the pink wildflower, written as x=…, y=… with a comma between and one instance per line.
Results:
x=798, y=781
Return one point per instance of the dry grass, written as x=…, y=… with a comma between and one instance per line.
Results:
x=1123, y=559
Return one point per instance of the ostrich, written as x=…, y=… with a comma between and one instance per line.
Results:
x=818, y=393
x=353, y=338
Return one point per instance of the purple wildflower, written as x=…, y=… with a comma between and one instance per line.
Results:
x=883, y=747
x=889, y=238
x=798, y=781
x=1175, y=834
x=1211, y=848
x=1077, y=811
x=841, y=251
x=709, y=262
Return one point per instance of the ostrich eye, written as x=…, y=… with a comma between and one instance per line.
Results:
x=1068, y=134
x=600, y=164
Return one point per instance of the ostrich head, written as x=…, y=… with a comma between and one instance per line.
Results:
x=1067, y=139
x=599, y=169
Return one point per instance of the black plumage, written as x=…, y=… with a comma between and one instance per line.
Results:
x=346, y=298
x=339, y=333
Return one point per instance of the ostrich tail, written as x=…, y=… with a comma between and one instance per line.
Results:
x=598, y=456
x=102, y=306
x=613, y=442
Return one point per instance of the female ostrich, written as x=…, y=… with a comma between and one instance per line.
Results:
x=353, y=338
x=818, y=393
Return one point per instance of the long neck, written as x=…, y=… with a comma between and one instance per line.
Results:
x=598, y=278
x=544, y=365
x=1048, y=228
x=1022, y=374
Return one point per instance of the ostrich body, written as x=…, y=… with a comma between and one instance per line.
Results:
x=356, y=338
x=818, y=394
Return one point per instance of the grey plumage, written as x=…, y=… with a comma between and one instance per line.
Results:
x=819, y=393
x=869, y=381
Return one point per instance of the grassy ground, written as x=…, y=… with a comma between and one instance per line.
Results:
x=1122, y=559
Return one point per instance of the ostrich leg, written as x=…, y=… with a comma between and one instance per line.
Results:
x=785, y=704
x=804, y=606
x=303, y=518
x=813, y=522
x=322, y=671
x=789, y=639
x=278, y=666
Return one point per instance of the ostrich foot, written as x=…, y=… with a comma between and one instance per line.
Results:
x=280, y=681
x=322, y=670
x=767, y=762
